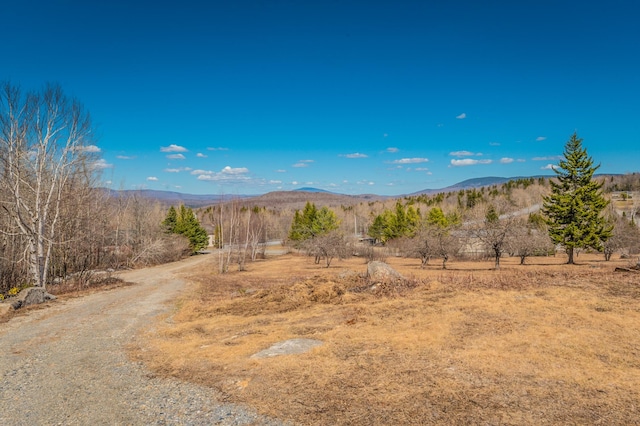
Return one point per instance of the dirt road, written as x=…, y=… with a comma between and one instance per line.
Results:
x=66, y=364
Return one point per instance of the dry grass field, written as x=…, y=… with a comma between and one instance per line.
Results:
x=544, y=343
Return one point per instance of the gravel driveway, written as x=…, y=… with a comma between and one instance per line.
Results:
x=66, y=364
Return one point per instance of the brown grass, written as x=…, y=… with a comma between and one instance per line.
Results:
x=542, y=343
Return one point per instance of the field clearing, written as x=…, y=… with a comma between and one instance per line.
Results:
x=533, y=344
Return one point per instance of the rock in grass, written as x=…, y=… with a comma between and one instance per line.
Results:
x=288, y=347
x=31, y=296
x=381, y=273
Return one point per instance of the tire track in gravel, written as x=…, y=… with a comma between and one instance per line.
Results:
x=66, y=364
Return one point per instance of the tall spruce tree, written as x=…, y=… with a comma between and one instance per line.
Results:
x=574, y=208
x=184, y=222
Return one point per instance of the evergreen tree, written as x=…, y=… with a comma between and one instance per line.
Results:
x=171, y=221
x=574, y=208
x=312, y=222
x=184, y=222
x=389, y=225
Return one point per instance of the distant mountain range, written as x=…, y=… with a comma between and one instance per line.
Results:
x=476, y=183
x=196, y=200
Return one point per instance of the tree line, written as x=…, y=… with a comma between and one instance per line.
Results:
x=56, y=222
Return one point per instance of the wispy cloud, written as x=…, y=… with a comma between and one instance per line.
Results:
x=392, y=149
x=102, y=164
x=494, y=143
x=354, y=155
x=549, y=167
x=414, y=160
x=465, y=154
x=469, y=162
x=172, y=170
x=541, y=138
x=303, y=163
x=201, y=155
x=176, y=157
x=506, y=160
x=217, y=149
x=201, y=172
x=173, y=148
x=275, y=182
x=125, y=157
x=152, y=179
x=89, y=148
x=461, y=116
x=548, y=158
x=227, y=174
x=281, y=171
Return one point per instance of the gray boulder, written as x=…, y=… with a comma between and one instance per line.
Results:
x=288, y=347
x=381, y=273
x=31, y=296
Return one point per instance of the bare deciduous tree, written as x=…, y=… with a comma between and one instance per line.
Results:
x=46, y=142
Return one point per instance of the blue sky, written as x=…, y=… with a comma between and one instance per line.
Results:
x=386, y=97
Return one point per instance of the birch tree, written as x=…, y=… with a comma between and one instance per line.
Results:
x=46, y=142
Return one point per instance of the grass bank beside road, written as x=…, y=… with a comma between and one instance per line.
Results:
x=540, y=343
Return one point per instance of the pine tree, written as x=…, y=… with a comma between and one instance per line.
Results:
x=574, y=208
x=312, y=223
x=171, y=220
x=184, y=222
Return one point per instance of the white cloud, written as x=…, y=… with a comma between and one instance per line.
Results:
x=549, y=167
x=234, y=170
x=124, y=157
x=463, y=154
x=421, y=169
x=102, y=164
x=295, y=182
x=281, y=171
x=89, y=148
x=541, y=138
x=354, y=155
x=392, y=149
x=201, y=172
x=414, y=160
x=201, y=155
x=494, y=143
x=176, y=157
x=521, y=160
x=385, y=135
x=173, y=148
x=506, y=160
x=461, y=116
x=302, y=163
x=218, y=149
x=172, y=170
x=152, y=179
x=548, y=158
x=227, y=174
x=275, y=182
x=469, y=162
